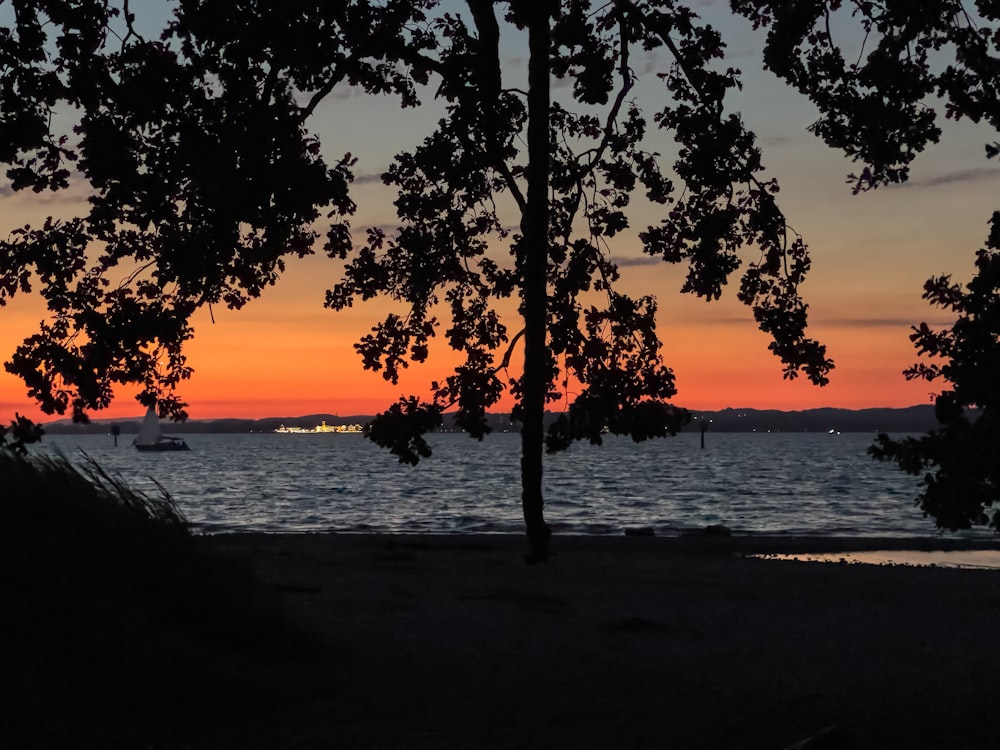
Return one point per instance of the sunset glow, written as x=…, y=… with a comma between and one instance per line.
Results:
x=285, y=355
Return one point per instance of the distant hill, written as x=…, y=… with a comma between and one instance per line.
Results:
x=912, y=419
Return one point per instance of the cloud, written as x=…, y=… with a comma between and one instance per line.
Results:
x=866, y=323
x=727, y=321
x=641, y=260
x=365, y=178
x=817, y=325
x=974, y=174
x=773, y=141
x=75, y=196
x=741, y=53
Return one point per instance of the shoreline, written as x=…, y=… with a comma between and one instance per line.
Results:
x=695, y=542
x=444, y=641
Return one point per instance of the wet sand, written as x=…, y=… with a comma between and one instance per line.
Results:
x=629, y=642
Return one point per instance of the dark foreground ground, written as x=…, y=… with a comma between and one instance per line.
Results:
x=298, y=642
x=454, y=642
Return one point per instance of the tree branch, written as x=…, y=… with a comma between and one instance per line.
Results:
x=505, y=362
x=490, y=78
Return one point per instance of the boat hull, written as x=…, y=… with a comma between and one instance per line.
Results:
x=163, y=444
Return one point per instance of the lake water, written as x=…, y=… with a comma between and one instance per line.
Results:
x=754, y=483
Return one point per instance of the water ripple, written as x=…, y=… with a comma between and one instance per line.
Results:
x=804, y=483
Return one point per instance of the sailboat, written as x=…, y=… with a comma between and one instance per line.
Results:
x=150, y=438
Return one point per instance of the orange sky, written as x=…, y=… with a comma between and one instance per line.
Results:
x=285, y=355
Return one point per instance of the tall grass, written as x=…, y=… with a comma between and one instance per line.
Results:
x=50, y=491
x=125, y=629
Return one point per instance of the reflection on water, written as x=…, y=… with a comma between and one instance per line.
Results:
x=971, y=558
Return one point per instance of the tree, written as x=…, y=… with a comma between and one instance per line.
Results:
x=581, y=168
x=198, y=196
x=963, y=489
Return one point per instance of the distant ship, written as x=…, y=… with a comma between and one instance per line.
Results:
x=323, y=427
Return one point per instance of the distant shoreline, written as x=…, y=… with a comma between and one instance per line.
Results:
x=912, y=419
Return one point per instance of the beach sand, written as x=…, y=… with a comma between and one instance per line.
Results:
x=627, y=642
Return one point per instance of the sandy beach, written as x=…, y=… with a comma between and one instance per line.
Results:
x=627, y=642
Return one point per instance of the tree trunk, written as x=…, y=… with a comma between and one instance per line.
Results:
x=534, y=270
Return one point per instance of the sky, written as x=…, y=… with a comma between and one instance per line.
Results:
x=286, y=355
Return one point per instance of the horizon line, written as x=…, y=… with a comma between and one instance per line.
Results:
x=498, y=413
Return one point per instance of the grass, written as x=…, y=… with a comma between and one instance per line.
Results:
x=125, y=630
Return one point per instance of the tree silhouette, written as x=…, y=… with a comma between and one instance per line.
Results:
x=571, y=187
x=199, y=171
x=200, y=193
x=963, y=489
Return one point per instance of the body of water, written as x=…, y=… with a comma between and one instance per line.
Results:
x=779, y=483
